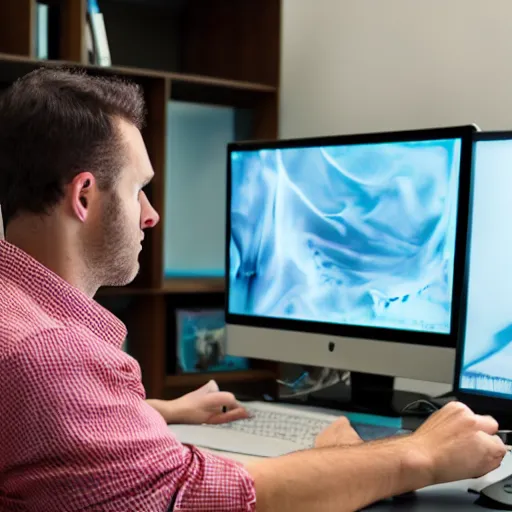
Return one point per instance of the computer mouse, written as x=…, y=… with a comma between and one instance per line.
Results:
x=499, y=494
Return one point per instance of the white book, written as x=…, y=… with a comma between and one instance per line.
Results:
x=99, y=34
x=41, y=40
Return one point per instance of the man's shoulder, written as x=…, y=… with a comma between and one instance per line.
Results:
x=35, y=342
x=21, y=318
x=42, y=358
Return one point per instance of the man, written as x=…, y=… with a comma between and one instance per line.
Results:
x=77, y=433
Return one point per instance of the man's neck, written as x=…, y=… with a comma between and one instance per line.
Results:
x=47, y=243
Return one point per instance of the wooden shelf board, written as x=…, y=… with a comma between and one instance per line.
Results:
x=22, y=64
x=124, y=71
x=221, y=82
x=113, y=291
x=177, y=285
x=26, y=64
x=197, y=379
x=197, y=285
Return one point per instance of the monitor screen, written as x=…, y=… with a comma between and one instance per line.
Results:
x=486, y=366
x=355, y=234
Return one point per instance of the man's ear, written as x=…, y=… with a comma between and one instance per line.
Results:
x=82, y=190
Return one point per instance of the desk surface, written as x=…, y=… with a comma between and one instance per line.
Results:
x=452, y=497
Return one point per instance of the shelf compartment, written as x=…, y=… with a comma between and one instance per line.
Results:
x=224, y=38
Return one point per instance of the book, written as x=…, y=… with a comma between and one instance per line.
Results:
x=96, y=24
x=41, y=39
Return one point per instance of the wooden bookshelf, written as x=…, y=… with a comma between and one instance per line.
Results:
x=213, y=52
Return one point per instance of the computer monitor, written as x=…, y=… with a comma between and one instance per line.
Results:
x=484, y=357
x=348, y=252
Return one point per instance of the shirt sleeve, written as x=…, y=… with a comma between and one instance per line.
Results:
x=215, y=485
x=95, y=444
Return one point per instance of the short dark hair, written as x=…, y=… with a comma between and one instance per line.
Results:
x=56, y=123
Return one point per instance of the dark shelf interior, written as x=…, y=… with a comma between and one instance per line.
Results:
x=222, y=38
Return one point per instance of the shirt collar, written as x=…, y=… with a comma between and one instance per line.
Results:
x=57, y=296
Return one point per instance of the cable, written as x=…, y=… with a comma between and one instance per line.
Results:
x=305, y=384
x=416, y=407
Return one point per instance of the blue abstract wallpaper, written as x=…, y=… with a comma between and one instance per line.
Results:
x=355, y=234
x=487, y=357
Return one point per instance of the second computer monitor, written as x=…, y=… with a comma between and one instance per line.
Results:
x=485, y=351
x=348, y=251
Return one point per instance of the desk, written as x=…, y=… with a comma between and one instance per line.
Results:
x=440, y=498
x=452, y=497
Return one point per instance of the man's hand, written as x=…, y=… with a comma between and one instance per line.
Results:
x=457, y=444
x=204, y=405
x=338, y=433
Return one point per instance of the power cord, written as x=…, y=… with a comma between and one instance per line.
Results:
x=306, y=384
x=427, y=406
x=422, y=406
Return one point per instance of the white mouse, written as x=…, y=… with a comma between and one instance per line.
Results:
x=500, y=493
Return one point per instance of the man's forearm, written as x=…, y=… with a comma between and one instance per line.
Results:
x=162, y=407
x=339, y=479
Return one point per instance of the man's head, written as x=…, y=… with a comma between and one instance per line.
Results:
x=72, y=160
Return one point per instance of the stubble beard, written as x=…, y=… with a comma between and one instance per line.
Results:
x=114, y=252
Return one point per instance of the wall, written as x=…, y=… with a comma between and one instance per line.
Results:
x=367, y=65
x=351, y=66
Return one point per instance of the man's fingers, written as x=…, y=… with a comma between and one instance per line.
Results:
x=501, y=448
x=499, y=452
x=234, y=415
x=487, y=424
x=216, y=401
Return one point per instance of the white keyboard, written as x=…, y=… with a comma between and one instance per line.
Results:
x=274, y=422
x=273, y=430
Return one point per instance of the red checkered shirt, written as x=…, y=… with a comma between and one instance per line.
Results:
x=75, y=430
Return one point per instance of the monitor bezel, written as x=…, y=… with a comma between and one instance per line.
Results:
x=479, y=401
x=446, y=340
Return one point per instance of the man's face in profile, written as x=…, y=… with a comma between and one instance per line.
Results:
x=117, y=231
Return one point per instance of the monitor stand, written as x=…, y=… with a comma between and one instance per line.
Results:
x=376, y=394
x=367, y=393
